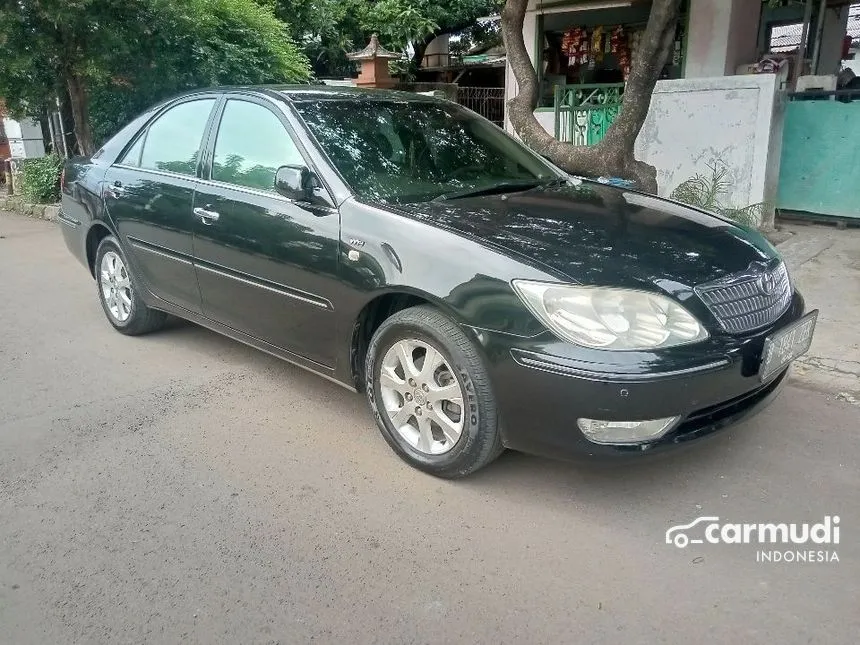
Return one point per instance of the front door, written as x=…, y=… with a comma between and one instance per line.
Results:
x=266, y=265
x=149, y=196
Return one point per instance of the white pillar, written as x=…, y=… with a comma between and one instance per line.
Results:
x=722, y=35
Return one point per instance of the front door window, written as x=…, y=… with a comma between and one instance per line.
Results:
x=251, y=145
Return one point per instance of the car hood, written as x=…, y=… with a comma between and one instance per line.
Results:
x=601, y=235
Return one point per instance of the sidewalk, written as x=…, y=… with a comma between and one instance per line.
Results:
x=825, y=265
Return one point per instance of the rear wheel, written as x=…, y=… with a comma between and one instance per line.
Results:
x=430, y=394
x=118, y=294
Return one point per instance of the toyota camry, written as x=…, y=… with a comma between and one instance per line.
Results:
x=403, y=246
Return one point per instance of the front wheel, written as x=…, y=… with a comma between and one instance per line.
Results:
x=118, y=293
x=430, y=394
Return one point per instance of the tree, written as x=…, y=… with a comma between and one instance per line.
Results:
x=328, y=29
x=614, y=155
x=126, y=54
x=196, y=43
x=451, y=17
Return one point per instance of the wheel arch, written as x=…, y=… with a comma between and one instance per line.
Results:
x=375, y=311
x=96, y=233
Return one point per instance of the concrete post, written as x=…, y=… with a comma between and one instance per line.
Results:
x=722, y=35
x=832, y=38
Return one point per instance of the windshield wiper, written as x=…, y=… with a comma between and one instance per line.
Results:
x=495, y=189
x=503, y=187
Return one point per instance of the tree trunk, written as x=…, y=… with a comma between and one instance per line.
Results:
x=79, y=100
x=613, y=156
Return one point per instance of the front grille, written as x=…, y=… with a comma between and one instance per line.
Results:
x=748, y=300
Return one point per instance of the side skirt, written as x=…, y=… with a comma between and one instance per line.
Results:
x=327, y=373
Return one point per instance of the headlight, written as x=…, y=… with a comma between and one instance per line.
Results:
x=609, y=318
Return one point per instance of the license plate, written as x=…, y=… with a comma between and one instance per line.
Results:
x=787, y=344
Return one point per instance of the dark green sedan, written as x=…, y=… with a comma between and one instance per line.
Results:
x=404, y=246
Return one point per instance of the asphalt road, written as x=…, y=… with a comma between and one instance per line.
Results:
x=183, y=487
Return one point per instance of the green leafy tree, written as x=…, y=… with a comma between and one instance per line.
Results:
x=451, y=16
x=113, y=57
x=328, y=29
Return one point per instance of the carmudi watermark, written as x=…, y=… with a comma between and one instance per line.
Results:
x=795, y=542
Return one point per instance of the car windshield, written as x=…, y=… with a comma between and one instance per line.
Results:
x=411, y=151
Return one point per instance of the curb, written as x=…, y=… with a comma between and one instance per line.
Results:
x=15, y=204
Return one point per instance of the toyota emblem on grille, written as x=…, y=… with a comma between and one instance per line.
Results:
x=766, y=284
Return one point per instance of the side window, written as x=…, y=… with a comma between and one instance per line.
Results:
x=251, y=145
x=173, y=140
x=132, y=156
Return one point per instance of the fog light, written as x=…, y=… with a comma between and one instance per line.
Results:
x=625, y=431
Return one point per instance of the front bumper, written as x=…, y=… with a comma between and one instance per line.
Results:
x=544, y=385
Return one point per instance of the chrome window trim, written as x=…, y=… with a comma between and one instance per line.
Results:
x=221, y=184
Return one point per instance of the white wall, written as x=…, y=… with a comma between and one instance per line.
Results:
x=735, y=120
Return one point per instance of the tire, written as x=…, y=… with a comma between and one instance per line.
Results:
x=126, y=310
x=409, y=336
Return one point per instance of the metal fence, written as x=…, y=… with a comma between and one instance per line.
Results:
x=489, y=102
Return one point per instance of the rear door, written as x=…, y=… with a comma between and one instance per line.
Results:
x=149, y=196
x=266, y=265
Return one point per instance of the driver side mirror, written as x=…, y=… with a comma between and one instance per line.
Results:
x=295, y=182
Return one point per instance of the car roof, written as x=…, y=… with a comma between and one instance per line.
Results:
x=301, y=93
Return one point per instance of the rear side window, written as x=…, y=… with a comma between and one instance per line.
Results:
x=172, y=142
x=251, y=145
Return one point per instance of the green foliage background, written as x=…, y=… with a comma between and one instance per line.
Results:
x=191, y=44
x=129, y=54
x=132, y=53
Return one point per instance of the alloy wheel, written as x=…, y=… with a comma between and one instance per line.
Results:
x=422, y=396
x=115, y=286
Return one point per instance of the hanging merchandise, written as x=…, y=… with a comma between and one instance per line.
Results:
x=596, y=46
x=617, y=40
x=574, y=45
x=625, y=50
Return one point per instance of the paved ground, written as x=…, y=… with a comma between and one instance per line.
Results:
x=825, y=263
x=182, y=487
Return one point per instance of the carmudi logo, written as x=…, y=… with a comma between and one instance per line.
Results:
x=823, y=536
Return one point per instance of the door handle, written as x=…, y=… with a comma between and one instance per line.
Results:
x=206, y=216
x=116, y=190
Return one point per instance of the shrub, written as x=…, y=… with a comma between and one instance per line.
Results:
x=707, y=192
x=40, y=179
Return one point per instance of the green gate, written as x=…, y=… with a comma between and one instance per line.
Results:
x=583, y=113
x=820, y=167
